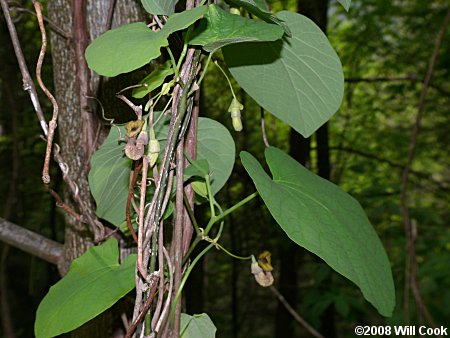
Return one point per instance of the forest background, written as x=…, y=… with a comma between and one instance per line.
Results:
x=385, y=48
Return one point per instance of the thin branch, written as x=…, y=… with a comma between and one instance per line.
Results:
x=294, y=313
x=51, y=24
x=407, y=78
x=421, y=307
x=53, y=121
x=441, y=184
x=145, y=309
x=61, y=204
x=30, y=242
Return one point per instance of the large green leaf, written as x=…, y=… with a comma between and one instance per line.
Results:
x=325, y=220
x=197, y=326
x=153, y=80
x=94, y=283
x=110, y=174
x=124, y=49
x=260, y=10
x=159, y=7
x=221, y=28
x=216, y=145
x=183, y=20
x=299, y=79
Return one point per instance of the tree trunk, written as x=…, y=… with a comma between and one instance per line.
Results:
x=78, y=125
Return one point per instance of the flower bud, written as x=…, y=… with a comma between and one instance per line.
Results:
x=235, y=110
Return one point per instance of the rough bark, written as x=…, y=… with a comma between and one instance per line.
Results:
x=78, y=123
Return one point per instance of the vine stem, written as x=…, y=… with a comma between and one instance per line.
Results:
x=53, y=121
x=215, y=219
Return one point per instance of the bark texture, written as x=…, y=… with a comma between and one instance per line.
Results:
x=78, y=122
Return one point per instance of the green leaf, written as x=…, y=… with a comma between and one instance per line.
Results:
x=216, y=145
x=299, y=79
x=197, y=326
x=94, y=283
x=221, y=28
x=153, y=80
x=346, y=4
x=183, y=20
x=124, y=49
x=256, y=8
x=199, y=168
x=159, y=7
x=325, y=220
x=110, y=174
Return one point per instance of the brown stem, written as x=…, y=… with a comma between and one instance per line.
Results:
x=178, y=234
x=144, y=311
x=294, y=313
x=190, y=145
x=134, y=177
x=53, y=121
x=81, y=40
x=411, y=255
x=31, y=242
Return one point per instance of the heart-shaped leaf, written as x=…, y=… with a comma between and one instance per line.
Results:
x=221, y=28
x=93, y=284
x=197, y=326
x=325, y=220
x=299, y=79
x=216, y=145
x=159, y=7
x=124, y=49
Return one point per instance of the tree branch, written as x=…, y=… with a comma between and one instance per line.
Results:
x=407, y=78
x=31, y=242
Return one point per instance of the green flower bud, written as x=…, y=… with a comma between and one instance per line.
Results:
x=235, y=110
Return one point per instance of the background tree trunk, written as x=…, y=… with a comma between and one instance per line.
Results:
x=78, y=124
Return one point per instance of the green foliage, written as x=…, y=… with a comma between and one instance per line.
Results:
x=215, y=144
x=345, y=3
x=221, y=28
x=94, y=283
x=183, y=20
x=153, y=80
x=110, y=169
x=325, y=220
x=159, y=7
x=197, y=326
x=109, y=177
x=124, y=49
x=256, y=8
x=299, y=79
